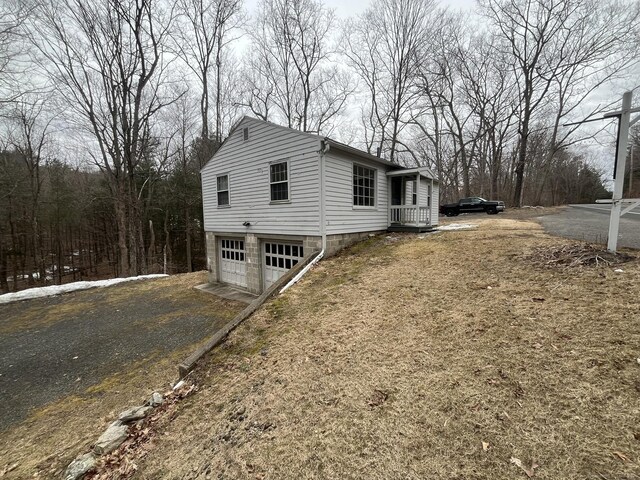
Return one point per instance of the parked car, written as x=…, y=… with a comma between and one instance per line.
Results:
x=471, y=205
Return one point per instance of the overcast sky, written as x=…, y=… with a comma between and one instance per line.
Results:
x=348, y=8
x=601, y=149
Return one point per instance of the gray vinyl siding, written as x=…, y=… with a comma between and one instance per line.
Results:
x=341, y=215
x=408, y=192
x=425, y=184
x=247, y=164
x=424, y=191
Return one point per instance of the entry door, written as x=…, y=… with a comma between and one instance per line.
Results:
x=233, y=268
x=397, y=191
x=278, y=258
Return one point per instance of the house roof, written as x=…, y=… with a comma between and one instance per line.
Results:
x=425, y=171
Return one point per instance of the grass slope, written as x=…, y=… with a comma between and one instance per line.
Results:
x=441, y=358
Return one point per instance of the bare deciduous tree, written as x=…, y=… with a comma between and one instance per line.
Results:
x=548, y=39
x=106, y=61
x=385, y=48
x=290, y=69
x=202, y=31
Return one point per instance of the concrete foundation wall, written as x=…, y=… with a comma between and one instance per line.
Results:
x=254, y=268
x=253, y=251
x=335, y=243
x=212, y=256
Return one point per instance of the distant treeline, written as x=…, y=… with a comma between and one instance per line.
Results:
x=57, y=223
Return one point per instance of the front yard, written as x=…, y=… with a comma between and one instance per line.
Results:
x=451, y=356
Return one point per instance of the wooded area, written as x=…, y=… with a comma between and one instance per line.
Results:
x=108, y=110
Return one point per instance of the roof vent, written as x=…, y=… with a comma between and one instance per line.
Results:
x=245, y=133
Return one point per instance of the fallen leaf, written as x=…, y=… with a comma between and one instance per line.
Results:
x=528, y=471
x=485, y=446
x=377, y=398
x=621, y=456
x=538, y=299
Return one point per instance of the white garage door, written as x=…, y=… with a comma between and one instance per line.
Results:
x=278, y=258
x=233, y=268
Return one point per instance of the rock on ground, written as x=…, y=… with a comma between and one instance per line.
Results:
x=80, y=466
x=111, y=439
x=156, y=399
x=134, y=413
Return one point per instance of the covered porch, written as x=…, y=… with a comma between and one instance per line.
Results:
x=410, y=200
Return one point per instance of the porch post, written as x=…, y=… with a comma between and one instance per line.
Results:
x=418, y=200
x=389, y=202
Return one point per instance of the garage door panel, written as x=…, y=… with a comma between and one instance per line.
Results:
x=279, y=257
x=233, y=267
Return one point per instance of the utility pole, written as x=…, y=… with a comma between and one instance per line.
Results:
x=618, y=183
x=617, y=202
x=631, y=171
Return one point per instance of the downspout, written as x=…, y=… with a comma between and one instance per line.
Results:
x=324, y=148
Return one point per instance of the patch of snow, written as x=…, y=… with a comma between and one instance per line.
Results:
x=68, y=287
x=457, y=226
x=619, y=270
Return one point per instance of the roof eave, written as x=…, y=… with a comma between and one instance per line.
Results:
x=354, y=151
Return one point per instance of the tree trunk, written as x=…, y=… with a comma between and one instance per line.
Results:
x=4, y=284
x=121, y=221
x=187, y=224
x=151, y=253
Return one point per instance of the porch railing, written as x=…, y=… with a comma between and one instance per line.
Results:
x=409, y=215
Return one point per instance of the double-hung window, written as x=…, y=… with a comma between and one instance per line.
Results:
x=279, y=181
x=414, y=192
x=364, y=186
x=223, y=190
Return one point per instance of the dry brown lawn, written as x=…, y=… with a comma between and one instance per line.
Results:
x=446, y=357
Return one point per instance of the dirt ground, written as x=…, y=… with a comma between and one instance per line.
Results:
x=454, y=355
x=81, y=358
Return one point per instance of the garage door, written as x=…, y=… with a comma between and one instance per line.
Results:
x=233, y=268
x=278, y=258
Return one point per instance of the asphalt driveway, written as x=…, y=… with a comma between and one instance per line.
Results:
x=590, y=222
x=54, y=347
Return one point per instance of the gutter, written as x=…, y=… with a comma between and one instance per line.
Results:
x=324, y=148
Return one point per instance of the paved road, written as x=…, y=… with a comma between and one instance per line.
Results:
x=590, y=222
x=56, y=346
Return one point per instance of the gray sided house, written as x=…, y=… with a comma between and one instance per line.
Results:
x=273, y=195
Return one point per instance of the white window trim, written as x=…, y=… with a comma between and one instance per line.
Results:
x=375, y=188
x=288, y=200
x=228, y=205
x=414, y=193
